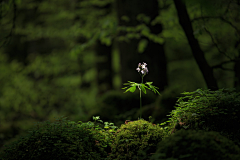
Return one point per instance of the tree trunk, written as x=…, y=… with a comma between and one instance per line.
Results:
x=198, y=54
x=153, y=55
x=237, y=73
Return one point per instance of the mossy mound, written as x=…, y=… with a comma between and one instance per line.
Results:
x=136, y=140
x=196, y=145
x=208, y=110
x=58, y=140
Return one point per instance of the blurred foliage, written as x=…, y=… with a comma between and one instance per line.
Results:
x=48, y=87
x=220, y=44
x=48, y=53
x=43, y=65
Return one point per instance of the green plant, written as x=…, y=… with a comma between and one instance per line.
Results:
x=196, y=145
x=106, y=131
x=61, y=139
x=117, y=107
x=208, y=110
x=136, y=140
x=131, y=86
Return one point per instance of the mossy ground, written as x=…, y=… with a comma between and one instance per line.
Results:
x=136, y=140
x=197, y=145
x=58, y=140
x=198, y=110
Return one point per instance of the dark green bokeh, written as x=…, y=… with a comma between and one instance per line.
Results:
x=61, y=57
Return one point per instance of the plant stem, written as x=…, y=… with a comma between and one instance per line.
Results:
x=141, y=101
x=140, y=105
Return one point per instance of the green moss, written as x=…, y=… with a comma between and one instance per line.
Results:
x=210, y=111
x=196, y=145
x=61, y=139
x=136, y=140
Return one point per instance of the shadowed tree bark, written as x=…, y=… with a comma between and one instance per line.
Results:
x=104, y=59
x=198, y=54
x=237, y=73
x=153, y=55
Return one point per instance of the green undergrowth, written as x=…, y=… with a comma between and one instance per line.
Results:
x=196, y=145
x=136, y=140
x=62, y=139
x=207, y=110
x=211, y=117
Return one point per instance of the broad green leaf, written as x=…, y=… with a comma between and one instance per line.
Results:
x=132, y=89
x=127, y=90
x=134, y=84
x=142, y=86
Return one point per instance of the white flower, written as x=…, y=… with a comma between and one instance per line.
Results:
x=142, y=68
x=146, y=70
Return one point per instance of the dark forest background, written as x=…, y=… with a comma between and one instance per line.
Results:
x=71, y=57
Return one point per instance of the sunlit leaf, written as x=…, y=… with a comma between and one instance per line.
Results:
x=132, y=89
x=142, y=86
x=148, y=83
